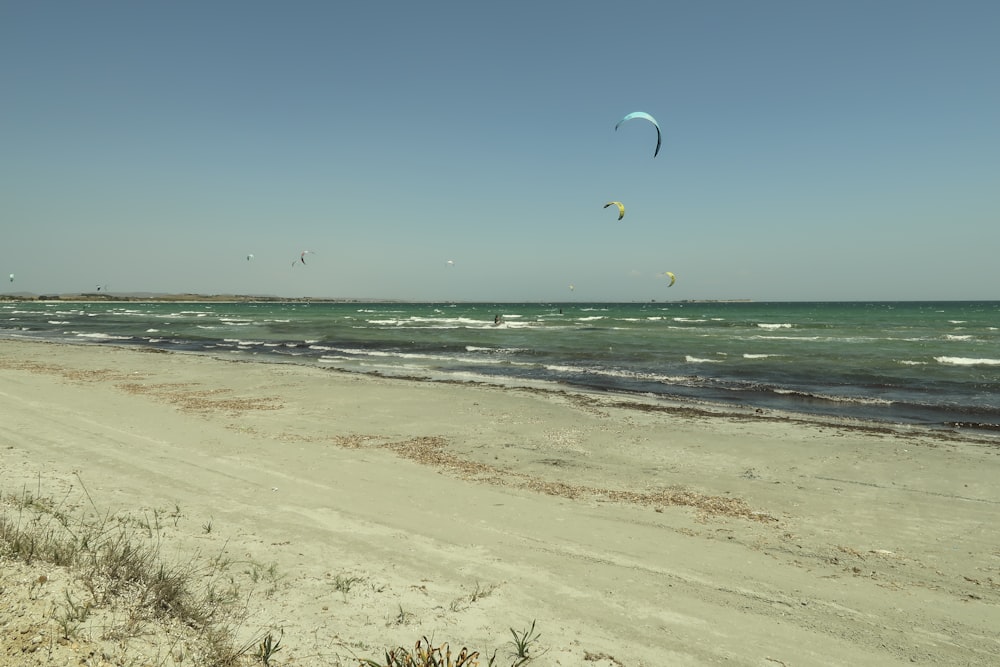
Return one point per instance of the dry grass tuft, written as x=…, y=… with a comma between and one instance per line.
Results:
x=104, y=584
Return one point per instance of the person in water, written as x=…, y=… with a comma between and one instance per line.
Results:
x=498, y=319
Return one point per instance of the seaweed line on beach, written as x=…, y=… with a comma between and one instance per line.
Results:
x=181, y=394
x=202, y=401
x=432, y=451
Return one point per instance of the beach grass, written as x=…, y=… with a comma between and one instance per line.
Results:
x=121, y=581
x=125, y=589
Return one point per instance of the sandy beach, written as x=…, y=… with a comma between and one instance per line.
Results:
x=632, y=533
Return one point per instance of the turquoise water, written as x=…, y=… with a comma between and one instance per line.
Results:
x=935, y=364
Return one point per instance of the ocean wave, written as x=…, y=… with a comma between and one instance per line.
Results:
x=966, y=361
x=619, y=374
x=436, y=322
x=759, y=356
x=698, y=360
x=811, y=338
x=243, y=343
x=857, y=400
x=766, y=325
x=99, y=336
x=908, y=362
x=957, y=337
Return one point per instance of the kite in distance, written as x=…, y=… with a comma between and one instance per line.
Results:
x=12, y=277
x=302, y=257
x=645, y=116
x=671, y=276
x=621, y=208
x=249, y=257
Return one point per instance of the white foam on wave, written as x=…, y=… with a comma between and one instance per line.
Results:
x=909, y=362
x=239, y=341
x=866, y=400
x=416, y=322
x=152, y=331
x=494, y=350
x=759, y=356
x=957, y=337
x=769, y=326
x=617, y=373
x=786, y=337
x=100, y=336
x=698, y=360
x=358, y=355
x=966, y=361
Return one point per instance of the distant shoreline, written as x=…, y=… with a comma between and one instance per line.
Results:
x=191, y=298
x=145, y=297
x=249, y=298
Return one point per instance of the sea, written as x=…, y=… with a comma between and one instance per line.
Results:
x=931, y=364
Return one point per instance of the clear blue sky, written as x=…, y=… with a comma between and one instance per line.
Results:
x=811, y=150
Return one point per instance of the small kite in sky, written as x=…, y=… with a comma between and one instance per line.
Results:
x=249, y=257
x=621, y=208
x=671, y=276
x=645, y=116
